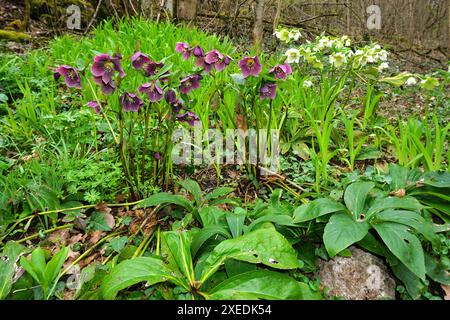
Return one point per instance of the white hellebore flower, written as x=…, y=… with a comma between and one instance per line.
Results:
x=383, y=66
x=282, y=34
x=294, y=35
x=307, y=84
x=293, y=55
x=411, y=81
x=338, y=59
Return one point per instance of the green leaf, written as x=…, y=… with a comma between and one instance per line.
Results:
x=219, y=192
x=262, y=284
x=409, y=218
x=193, y=188
x=436, y=270
x=407, y=203
x=164, y=198
x=10, y=255
x=212, y=216
x=206, y=233
x=176, y=246
x=131, y=272
x=317, y=208
x=279, y=219
x=355, y=197
x=53, y=268
x=404, y=245
x=342, y=231
x=98, y=222
x=236, y=220
x=265, y=246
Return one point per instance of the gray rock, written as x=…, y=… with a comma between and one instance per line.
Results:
x=363, y=276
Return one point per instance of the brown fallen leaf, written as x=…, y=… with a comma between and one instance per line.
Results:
x=59, y=237
x=95, y=236
x=399, y=193
x=109, y=219
x=103, y=207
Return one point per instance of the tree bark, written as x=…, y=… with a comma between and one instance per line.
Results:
x=258, y=29
x=187, y=9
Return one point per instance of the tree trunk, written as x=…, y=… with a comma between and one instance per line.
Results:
x=258, y=29
x=187, y=9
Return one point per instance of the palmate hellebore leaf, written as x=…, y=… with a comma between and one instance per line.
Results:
x=262, y=284
x=265, y=246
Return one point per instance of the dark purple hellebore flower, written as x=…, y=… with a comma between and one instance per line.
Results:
x=188, y=117
x=197, y=52
x=170, y=96
x=150, y=68
x=70, y=75
x=213, y=56
x=189, y=83
x=104, y=66
x=200, y=62
x=223, y=63
x=94, y=105
x=107, y=87
x=281, y=71
x=153, y=91
x=138, y=60
x=269, y=90
x=131, y=102
x=250, y=66
x=183, y=48
x=157, y=156
x=217, y=59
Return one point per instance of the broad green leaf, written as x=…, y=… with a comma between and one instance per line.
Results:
x=262, y=284
x=437, y=179
x=436, y=270
x=404, y=245
x=407, y=203
x=279, y=219
x=55, y=264
x=355, y=197
x=408, y=218
x=206, y=233
x=218, y=192
x=316, y=208
x=236, y=220
x=176, y=246
x=342, y=231
x=413, y=284
x=131, y=272
x=8, y=258
x=265, y=246
x=164, y=198
x=212, y=216
x=193, y=188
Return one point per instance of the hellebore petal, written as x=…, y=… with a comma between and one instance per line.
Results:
x=131, y=102
x=70, y=75
x=250, y=66
x=153, y=91
x=268, y=90
x=139, y=59
x=95, y=106
x=183, y=48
